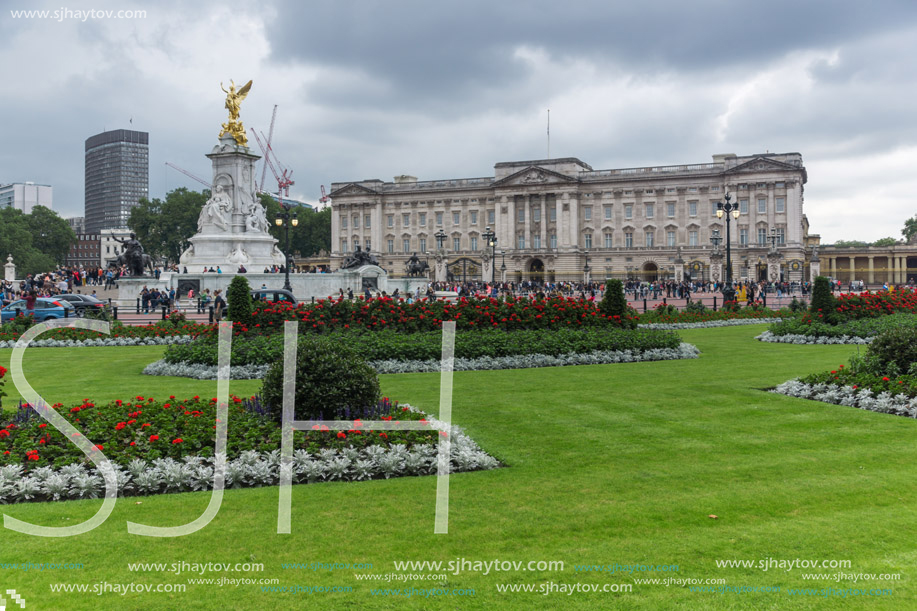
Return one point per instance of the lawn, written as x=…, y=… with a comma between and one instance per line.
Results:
x=607, y=464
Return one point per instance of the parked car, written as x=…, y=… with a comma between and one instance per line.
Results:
x=46, y=308
x=82, y=303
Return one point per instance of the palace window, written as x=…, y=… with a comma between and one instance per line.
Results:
x=648, y=238
x=456, y=244
x=781, y=204
x=762, y=205
x=628, y=211
x=491, y=217
x=692, y=208
x=343, y=245
x=536, y=241
x=553, y=240
x=762, y=235
x=456, y=218
x=743, y=236
x=553, y=212
x=423, y=244
x=406, y=219
x=587, y=240
x=391, y=246
x=781, y=235
x=743, y=206
x=670, y=210
x=628, y=239
x=366, y=221
x=587, y=213
x=670, y=238
x=474, y=243
x=391, y=220
x=439, y=218
x=474, y=218
x=343, y=222
x=536, y=214
x=406, y=245
x=608, y=240
x=520, y=243
x=423, y=219
x=356, y=221
x=649, y=211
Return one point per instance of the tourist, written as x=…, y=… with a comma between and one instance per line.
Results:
x=218, y=305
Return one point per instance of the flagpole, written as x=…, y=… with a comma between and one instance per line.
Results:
x=549, y=133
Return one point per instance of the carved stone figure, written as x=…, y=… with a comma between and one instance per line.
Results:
x=416, y=267
x=257, y=220
x=216, y=210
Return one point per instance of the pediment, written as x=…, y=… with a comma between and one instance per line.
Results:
x=761, y=164
x=352, y=189
x=534, y=176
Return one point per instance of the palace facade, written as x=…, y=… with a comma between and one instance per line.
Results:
x=559, y=219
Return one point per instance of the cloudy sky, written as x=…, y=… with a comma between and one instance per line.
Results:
x=445, y=89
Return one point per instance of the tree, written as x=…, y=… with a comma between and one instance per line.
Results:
x=52, y=235
x=312, y=233
x=21, y=235
x=164, y=226
x=910, y=228
x=823, y=299
x=885, y=242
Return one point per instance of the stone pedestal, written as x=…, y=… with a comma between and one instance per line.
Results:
x=9, y=270
x=773, y=267
x=232, y=227
x=716, y=267
x=439, y=266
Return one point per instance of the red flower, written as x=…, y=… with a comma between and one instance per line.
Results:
x=133, y=443
x=885, y=378
x=154, y=437
x=120, y=426
x=4, y=433
x=179, y=440
x=383, y=435
x=2, y=371
x=100, y=447
x=342, y=435
x=33, y=457
x=42, y=425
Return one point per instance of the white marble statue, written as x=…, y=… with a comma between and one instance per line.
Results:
x=216, y=210
x=256, y=220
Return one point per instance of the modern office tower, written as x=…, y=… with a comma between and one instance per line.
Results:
x=117, y=176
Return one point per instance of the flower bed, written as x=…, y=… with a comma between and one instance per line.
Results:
x=886, y=402
x=428, y=315
x=855, y=306
x=523, y=361
x=848, y=332
x=146, y=428
x=161, y=332
x=735, y=322
x=143, y=476
x=391, y=346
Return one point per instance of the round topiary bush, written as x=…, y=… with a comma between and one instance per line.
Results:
x=239, y=297
x=894, y=351
x=332, y=383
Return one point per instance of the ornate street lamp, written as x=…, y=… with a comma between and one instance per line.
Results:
x=728, y=210
x=285, y=219
x=491, y=238
x=440, y=238
x=586, y=273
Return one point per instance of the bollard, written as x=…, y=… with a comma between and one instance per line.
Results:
x=664, y=302
x=313, y=299
x=644, y=305
x=164, y=312
x=714, y=303
x=138, y=305
x=114, y=311
x=211, y=315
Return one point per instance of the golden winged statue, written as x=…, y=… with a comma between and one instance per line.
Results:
x=234, y=98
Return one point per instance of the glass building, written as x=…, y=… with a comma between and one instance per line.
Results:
x=117, y=176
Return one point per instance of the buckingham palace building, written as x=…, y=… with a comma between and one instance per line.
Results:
x=561, y=220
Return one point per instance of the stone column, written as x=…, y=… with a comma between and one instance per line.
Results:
x=833, y=266
x=852, y=269
x=870, y=274
x=9, y=270
x=528, y=221
x=544, y=222
x=573, y=240
x=902, y=275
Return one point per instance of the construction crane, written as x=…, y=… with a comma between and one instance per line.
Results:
x=324, y=198
x=206, y=183
x=284, y=176
x=270, y=138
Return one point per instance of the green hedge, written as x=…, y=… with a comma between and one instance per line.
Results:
x=864, y=327
x=387, y=345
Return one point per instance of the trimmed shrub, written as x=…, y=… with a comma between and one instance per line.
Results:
x=614, y=302
x=894, y=350
x=823, y=300
x=332, y=382
x=240, y=299
x=696, y=307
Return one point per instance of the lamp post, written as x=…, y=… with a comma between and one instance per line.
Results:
x=503, y=266
x=491, y=238
x=727, y=209
x=586, y=273
x=285, y=219
x=440, y=238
